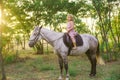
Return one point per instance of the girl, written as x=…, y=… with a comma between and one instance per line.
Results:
x=70, y=29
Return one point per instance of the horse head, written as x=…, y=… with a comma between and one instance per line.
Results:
x=35, y=36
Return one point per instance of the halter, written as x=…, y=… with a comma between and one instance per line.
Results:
x=37, y=35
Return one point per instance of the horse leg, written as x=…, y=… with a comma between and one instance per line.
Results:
x=61, y=67
x=94, y=61
x=65, y=61
x=92, y=57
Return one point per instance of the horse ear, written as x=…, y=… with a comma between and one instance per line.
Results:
x=41, y=26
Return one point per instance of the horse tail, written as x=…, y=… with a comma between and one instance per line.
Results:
x=98, y=57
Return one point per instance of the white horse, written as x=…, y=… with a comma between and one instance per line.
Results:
x=90, y=47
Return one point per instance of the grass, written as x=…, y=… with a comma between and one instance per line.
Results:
x=115, y=75
x=10, y=58
x=46, y=67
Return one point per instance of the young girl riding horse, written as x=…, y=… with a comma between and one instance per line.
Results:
x=70, y=29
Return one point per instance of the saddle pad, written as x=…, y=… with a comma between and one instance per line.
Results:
x=68, y=42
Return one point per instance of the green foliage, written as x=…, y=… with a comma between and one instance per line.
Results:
x=10, y=58
x=18, y=39
x=107, y=25
x=105, y=56
x=5, y=41
x=20, y=17
x=119, y=45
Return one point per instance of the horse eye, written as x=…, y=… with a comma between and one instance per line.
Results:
x=35, y=33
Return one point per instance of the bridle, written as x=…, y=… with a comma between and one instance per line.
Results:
x=37, y=35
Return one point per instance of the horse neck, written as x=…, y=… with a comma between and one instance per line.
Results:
x=50, y=36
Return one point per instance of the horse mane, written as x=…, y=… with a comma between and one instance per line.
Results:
x=52, y=33
x=51, y=30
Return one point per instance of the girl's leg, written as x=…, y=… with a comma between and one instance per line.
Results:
x=74, y=43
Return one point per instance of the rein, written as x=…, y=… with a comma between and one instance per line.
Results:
x=42, y=34
x=49, y=40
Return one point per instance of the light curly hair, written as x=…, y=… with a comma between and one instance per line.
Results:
x=71, y=16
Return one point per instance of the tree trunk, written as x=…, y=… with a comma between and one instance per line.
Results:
x=102, y=28
x=1, y=56
x=24, y=42
x=97, y=4
x=2, y=66
x=39, y=47
x=111, y=30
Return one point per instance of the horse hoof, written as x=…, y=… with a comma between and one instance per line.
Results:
x=92, y=75
x=60, y=78
x=67, y=78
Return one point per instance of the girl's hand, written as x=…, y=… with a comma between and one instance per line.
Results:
x=68, y=30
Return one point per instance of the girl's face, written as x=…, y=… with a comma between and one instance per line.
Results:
x=69, y=18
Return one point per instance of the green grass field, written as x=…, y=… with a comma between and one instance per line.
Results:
x=45, y=67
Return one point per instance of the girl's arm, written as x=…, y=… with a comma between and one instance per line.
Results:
x=71, y=26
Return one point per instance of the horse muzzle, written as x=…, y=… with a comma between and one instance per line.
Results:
x=31, y=44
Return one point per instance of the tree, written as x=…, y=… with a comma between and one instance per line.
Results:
x=25, y=14
x=1, y=56
x=29, y=13
x=104, y=9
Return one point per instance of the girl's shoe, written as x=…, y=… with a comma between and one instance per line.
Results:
x=74, y=48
